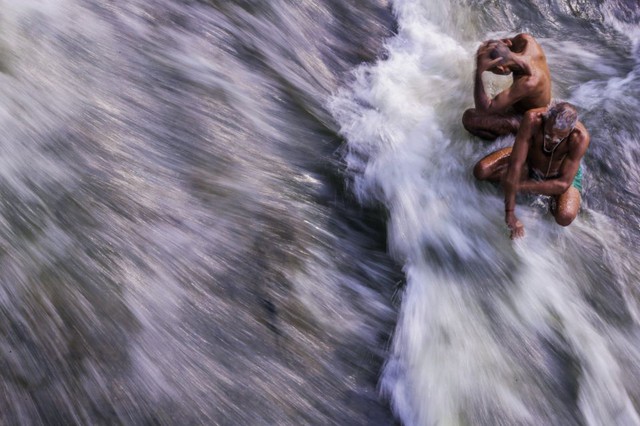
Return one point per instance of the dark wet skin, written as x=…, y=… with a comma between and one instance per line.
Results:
x=554, y=153
x=531, y=87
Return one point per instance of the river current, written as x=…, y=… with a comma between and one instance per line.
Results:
x=248, y=212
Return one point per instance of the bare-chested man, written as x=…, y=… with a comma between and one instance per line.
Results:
x=545, y=159
x=531, y=88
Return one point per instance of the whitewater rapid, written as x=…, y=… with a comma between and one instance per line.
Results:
x=538, y=331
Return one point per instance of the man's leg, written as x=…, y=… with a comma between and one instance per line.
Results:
x=567, y=206
x=493, y=166
x=490, y=126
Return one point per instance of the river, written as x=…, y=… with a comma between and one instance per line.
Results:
x=243, y=212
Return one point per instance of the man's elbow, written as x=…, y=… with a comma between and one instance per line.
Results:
x=492, y=108
x=531, y=115
x=482, y=105
x=562, y=186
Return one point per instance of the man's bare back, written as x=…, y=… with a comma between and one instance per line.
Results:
x=523, y=57
x=538, y=84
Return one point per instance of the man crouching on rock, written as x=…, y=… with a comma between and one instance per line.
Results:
x=545, y=159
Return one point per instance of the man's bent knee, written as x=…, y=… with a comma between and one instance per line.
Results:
x=472, y=121
x=568, y=207
x=480, y=171
x=468, y=119
x=564, y=218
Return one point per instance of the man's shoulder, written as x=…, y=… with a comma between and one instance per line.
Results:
x=524, y=40
x=578, y=142
x=524, y=36
x=528, y=45
x=534, y=116
x=580, y=136
x=531, y=124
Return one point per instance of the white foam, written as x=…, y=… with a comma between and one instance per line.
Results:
x=465, y=279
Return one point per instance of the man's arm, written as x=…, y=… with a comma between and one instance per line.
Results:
x=483, y=63
x=503, y=100
x=514, y=172
x=557, y=185
x=567, y=172
x=518, y=41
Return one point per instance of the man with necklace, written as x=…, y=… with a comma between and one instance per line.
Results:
x=545, y=159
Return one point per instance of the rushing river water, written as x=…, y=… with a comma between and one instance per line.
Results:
x=262, y=212
x=176, y=245
x=540, y=331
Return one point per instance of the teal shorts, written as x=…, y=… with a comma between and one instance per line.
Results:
x=577, y=180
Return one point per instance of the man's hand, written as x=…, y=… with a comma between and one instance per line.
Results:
x=515, y=226
x=483, y=60
x=484, y=49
